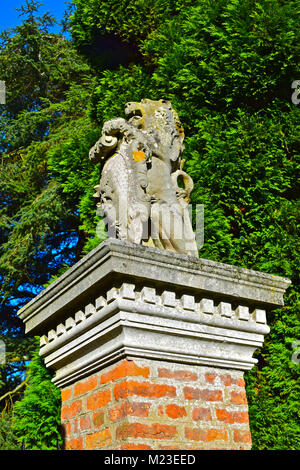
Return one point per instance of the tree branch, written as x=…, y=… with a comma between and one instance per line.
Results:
x=14, y=391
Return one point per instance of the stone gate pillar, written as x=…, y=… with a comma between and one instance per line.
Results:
x=150, y=347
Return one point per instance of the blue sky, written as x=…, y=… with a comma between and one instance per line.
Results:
x=9, y=16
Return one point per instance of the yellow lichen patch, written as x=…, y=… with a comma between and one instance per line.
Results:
x=138, y=156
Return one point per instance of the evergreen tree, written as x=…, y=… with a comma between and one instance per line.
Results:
x=36, y=418
x=8, y=440
x=47, y=85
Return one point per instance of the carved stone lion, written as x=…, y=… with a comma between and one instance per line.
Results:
x=139, y=191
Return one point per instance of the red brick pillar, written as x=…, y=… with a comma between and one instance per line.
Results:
x=152, y=405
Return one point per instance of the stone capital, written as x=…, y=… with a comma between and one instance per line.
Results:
x=128, y=301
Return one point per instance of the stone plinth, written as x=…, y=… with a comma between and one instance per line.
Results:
x=149, y=347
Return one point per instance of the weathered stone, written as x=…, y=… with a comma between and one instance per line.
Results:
x=243, y=312
x=188, y=302
x=260, y=315
x=79, y=316
x=148, y=295
x=168, y=298
x=138, y=187
x=225, y=309
x=165, y=321
x=207, y=306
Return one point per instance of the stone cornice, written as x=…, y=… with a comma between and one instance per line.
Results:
x=128, y=301
x=114, y=259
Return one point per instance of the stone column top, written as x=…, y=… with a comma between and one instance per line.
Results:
x=118, y=261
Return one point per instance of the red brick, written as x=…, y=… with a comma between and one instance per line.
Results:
x=231, y=417
x=66, y=394
x=85, y=423
x=177, y=374
x=85, y=386
x=128, y=409
x=117, y=413
x=191, y=393
x=175, y=411
x=240, y=382
x=75, y=424
x=201, y=414
x=242, y=436
x=98, y=439
x=224, y=415
x=138, y=409
x=210, y=377
x=98, y=419
x=98, y=400
x=151, y=431
x=73, y=444
x=144, y=389
x=124, y=369
x=69, y=411
x=206, y=435
x=239, y=398
x=226, y=379
x=211, y=395
x=241, y=417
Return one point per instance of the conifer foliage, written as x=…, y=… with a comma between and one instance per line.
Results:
x=44, y=117
x=36, y=418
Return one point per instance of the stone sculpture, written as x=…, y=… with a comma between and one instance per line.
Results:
x=139, y=191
